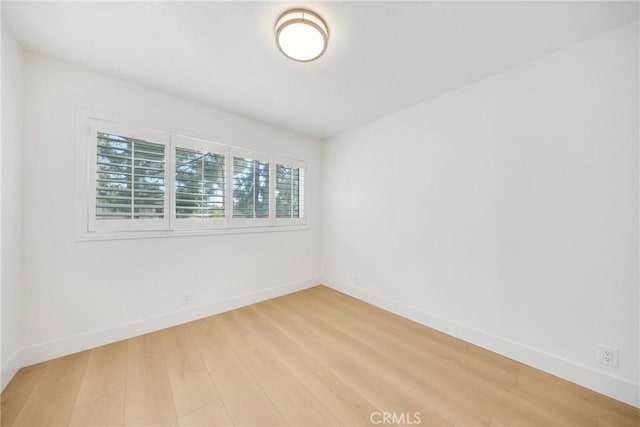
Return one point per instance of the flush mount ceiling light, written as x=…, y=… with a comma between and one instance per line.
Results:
x=301, y=35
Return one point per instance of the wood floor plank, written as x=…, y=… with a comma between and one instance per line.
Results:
x=290, y=397
x=299, y=361
x=575, y=412
x=389, y=319
x=464, y=388
x=497, y=369
x=105, y=374
x=212, y=414
x=244, y=400
x=52, y=399
x=570, y=401
x=17, y=392
x=404, y=378
x=344, y=401
x=234, y=332
x=107, y=410
x=356, y=370
x=213, y=348
x=271, y=310
x=298, y=406
x=446, y=383
x=148, y=400
x=191, y=385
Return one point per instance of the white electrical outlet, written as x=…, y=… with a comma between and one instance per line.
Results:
x=608, y=356
x=187, y=298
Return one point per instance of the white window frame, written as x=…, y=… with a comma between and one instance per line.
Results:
x=261, y=157
x=112, y=225
x=294, y=164
x=88, y=228
x=181, y=141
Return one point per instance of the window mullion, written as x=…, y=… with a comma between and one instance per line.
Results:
x=202, y=186
x=133, y=179
x=170, y=186
x=255, y=201
x=228, y=187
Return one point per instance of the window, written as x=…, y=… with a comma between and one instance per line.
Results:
x=143, y=180
x=251, y=195
x=129, y=177
x=289, y=192
x=199, y=184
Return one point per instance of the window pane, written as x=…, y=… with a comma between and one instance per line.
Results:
x=129, y=178
x=200, y=184
x=289, y=192
x=250, y=188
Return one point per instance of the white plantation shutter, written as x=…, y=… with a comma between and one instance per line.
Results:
x=129, y=177
x=251, y=187
x=199, y=183
x=289, y=192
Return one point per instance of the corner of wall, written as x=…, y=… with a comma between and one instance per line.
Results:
x=11, y=213
x=9, y=369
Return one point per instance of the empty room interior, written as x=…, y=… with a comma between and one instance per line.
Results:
x=340, y=213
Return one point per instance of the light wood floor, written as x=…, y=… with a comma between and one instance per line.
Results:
x=316, y=357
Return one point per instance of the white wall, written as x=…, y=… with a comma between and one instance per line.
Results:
x=11, y=204
x=82, y=294
x=505, y=212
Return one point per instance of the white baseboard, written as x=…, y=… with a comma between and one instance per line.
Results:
x=9, y=369
x=73, y=344
x=617, y=388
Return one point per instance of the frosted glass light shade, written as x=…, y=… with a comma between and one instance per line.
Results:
x=301, y=35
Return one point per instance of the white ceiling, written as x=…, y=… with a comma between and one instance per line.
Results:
x=382, y=56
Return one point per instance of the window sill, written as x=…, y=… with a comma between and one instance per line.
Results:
x=123, y=235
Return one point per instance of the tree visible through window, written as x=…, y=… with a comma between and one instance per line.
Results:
x=129, y=179
x=250, y=188
x=200, y=184
x=289, y=192
x=145, y=180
